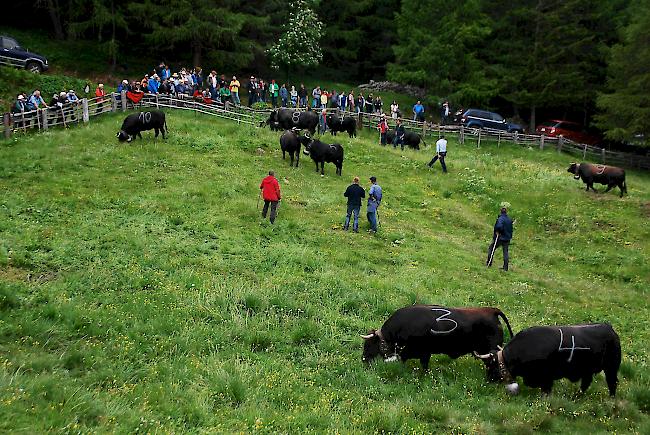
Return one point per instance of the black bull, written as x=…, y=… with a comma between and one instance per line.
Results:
x=138, y=122
x=411, y=139
x=287, y=119
x=602, y=174
x=336, y=124
x=418, y=331
x=542, y=354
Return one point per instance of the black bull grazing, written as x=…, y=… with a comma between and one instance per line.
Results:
x=418, y=331
x=286, y=119
x=138, y=122
x=542, y=354
x=590, y=174
x=290, y=142
x=411, y=139
x=321, y=152
x=336, y=124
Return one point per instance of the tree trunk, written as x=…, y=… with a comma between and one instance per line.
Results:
x=533, y=110
x=196, y=54
x=113, y=40
x=55, y=16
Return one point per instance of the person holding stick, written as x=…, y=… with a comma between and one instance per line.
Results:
x=271, y=194
x=501, y=237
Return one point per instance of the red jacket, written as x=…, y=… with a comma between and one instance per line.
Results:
x=270, y=189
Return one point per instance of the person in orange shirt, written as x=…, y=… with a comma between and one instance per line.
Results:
x=271, y=194
x=100, y=94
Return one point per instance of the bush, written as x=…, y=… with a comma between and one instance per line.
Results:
x=13, y=81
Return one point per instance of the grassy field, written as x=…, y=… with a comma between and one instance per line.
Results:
x=140, y=291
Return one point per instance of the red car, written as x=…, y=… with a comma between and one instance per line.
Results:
x=569, y=130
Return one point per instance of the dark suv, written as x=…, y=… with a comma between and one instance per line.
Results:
x=12, y=54
x=475, y=118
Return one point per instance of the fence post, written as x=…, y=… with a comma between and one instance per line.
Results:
x=44, y=118
x=360, y=120
x=602, y=154
x=584, y=152
x=158, y=107
x=6, y=121
x=424, y=129
x=462, y=134
x=499, y=139
x=113, y=102
x=478, y=144
x=541, y=142
x=123, y=100
x=560, y=143
x=84, y=107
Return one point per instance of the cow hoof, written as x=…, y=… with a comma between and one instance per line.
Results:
x=322, y=175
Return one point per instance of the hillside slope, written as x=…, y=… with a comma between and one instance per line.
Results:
x=141, y=291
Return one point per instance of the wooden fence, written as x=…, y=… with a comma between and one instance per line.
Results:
x=83, y=110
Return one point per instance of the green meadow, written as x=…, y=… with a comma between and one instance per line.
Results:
x=141, y=292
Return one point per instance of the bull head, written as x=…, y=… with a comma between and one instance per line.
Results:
x=371, y=347
x=123, y=136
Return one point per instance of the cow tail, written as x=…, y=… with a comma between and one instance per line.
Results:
x=422, y=138
x=166, y=129
x=505, y=319
x=624, y=186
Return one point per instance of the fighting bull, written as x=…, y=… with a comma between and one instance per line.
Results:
x=135, y=123
x=418, y=331
x=410, y=139
x=603, y=174
x=287, y=119
x=336, y=124
x=321, y=152
x=290, y=142
x=543, y=354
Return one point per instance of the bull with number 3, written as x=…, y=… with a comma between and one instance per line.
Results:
x=418, y=331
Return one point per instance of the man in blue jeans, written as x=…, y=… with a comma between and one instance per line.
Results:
x=354, y=193
x=502, y=236
x=374, y=200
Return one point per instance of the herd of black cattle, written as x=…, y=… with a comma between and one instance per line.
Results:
x=540, y=355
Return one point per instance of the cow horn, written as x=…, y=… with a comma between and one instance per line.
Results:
x=499, y=347
x=479, y=356
x=368, y=337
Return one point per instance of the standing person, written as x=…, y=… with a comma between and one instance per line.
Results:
x=322, y=121
x=379, y=105
x=441, y=153
x=501, y=237
x=100, y=94
x=294, y=96
x=225, y=94
x=251, y=91
x=383, y=129
x=351, y=101
x=271, y=195
x=360, y=102
x=394, y=110
x=315, y=95
x=234, y=90
x=444, y=114
x=274, y=90
x=334, y=99
x=353, y=193
x=323, y=99
x=370, y=104
x=374, y=200
x=284, y=95
x=399, y=134
x=302, y=95
x=418, y=112
x=343, y=101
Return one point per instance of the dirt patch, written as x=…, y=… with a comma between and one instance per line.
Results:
x=16, y=274
x=645, y=210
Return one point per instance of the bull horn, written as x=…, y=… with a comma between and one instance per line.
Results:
x=479, y=356
x=368, y=337
x=499, y=347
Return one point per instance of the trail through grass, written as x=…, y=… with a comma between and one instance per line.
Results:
x=140, y=290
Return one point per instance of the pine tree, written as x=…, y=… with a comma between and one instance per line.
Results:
x=299, y=44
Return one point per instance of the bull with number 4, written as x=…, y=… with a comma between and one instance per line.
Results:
x=418, y=331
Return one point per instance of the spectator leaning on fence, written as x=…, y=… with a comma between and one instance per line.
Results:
x=100, y=94
x=36, y=101
x=19, y=106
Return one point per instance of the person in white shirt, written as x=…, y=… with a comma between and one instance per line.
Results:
x=394, y=110
x=441, y=153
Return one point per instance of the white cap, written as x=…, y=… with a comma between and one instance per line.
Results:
x=20, y=97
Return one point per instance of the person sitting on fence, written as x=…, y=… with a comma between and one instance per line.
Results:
x=123, y=86
x=18, y=109
x=36, y=101
x=100, y=94
x=72, y=97
x=206, y=96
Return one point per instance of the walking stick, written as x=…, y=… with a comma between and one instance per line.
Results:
x=258, y=200
x=63, y=117
x=494, y=247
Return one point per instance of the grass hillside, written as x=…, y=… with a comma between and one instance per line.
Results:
x=140, y=291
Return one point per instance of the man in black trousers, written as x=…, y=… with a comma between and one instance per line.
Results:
x=502, y=236
x=354, y=193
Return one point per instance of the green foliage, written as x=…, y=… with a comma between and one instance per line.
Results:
x=140, y=290
x=625, y=106
x=13, y=81
x=299, y=43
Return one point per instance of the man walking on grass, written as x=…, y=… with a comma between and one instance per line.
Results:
x=441, y=153
x=271, y=195
x=374, y=200
x=353, y=193
x=501, y=237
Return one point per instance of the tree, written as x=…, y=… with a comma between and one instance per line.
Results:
x=299, y=43
x=438, y=47
x=625, y=105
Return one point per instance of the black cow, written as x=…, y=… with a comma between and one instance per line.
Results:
x=336, y=124
x=542, y=354
x=418, y=331
x=590, y=174
x=411, y=139
x=321, y=152
x=138, y=122
x=286, y=119
x=290, y=143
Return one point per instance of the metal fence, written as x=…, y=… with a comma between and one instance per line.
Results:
x=83, y=110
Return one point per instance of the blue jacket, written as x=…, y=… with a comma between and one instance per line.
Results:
x=503, y=226
x=153, y=86
x=374, y=198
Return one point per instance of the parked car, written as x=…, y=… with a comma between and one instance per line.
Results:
x=475, y=118
x=12, y=54
x=570, y=130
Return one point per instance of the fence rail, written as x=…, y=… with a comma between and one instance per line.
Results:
x=85, y=109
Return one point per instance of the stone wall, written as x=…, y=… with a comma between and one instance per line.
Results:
x=394, y=87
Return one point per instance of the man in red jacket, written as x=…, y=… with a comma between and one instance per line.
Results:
x=271, y=195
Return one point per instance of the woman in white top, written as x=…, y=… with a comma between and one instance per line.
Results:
x=294, y=96
x=394, y=110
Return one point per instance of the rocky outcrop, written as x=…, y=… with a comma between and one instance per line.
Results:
x=394, y=87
